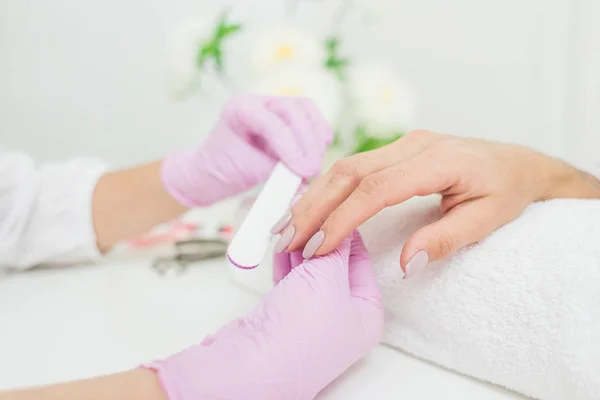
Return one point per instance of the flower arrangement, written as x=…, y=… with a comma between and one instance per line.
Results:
x=366, y=102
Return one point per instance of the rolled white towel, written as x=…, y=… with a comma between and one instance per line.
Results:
x=520, y=309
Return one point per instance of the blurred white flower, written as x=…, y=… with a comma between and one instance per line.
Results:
x=285, y=46
x=382, y=103
x=316, y=84
x=185, y=45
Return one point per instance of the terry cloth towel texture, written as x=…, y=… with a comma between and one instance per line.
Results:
x=520, y=309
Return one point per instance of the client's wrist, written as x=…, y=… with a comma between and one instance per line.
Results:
x=566, y=181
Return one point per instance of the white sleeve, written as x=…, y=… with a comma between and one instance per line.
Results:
x=46, y=211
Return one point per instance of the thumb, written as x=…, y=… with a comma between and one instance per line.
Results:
x=363, y=283
x=365, y=291
x=465, y=224
x=335, y=263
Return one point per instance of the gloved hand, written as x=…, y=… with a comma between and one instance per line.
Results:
x=319, y=320
x=252, y=134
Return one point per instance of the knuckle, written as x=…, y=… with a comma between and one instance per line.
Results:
x=440, y=152
x=345, y=170
x=372, y=185
x=304, y=217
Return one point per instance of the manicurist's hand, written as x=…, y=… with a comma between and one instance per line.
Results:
x=251, y=135
x=483, y=186
x=323, y=316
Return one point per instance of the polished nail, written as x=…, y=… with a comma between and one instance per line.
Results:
x=286, y=238
x=281, y=224
x=417, y=263
x=313, y=244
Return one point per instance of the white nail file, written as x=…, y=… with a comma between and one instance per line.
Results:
x=252, y=240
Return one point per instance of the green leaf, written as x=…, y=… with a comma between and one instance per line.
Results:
x=336, y=140
x=228, y=30
x=337, y=63
x=222, y=23
x=334, y=62
x=203, y=55
x=367, y=143
x=213, y=48
x=218, y=55
x=360, y=134
x=332, y=43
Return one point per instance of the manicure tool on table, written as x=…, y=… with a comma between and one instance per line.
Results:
x=189, y=251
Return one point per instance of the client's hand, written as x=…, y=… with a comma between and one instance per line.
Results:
x=252, y=134
x=320, y=319
x=483, y=185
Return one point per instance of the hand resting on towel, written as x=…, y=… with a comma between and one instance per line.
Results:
x=484, y=185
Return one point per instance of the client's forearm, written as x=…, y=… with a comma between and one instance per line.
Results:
x=139, y=384
x=130, y=202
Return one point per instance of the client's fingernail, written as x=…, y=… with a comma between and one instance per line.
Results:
x=417, y=263
x=313, y=244
x=286, y=238
x=281, y=224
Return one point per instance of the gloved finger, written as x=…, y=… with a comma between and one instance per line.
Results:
x=284, y=262
x=261, y=166
x=282, y=265
x=275, y=133
x=320, y=133
x=361, y=275
x=296, y=258
x=335, y=263
x=320, y=126
x=365, y=292
x=289, y=110
x=464, y=224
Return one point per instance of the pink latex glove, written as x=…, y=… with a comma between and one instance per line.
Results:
x=252, y=134
x=318, y=321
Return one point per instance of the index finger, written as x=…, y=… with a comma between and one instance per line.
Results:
x=419, y=176
x=278, y=136
x=330, y=190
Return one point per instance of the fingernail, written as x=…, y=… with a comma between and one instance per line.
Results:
x=417, y=263
x=281, y=223
x=285, y=239
x=313, y=244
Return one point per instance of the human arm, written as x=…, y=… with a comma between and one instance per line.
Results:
x=483, y=185
x=137, y=384
x=66, y=212
x=322, y=317
x=251, y=135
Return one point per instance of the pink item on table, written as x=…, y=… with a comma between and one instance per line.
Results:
x=320, y=319
x=251, y=136
x=172, y=232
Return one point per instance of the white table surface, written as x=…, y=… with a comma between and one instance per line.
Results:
x=68, y=323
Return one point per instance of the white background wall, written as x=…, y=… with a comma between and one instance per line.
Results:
x=89, y=76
